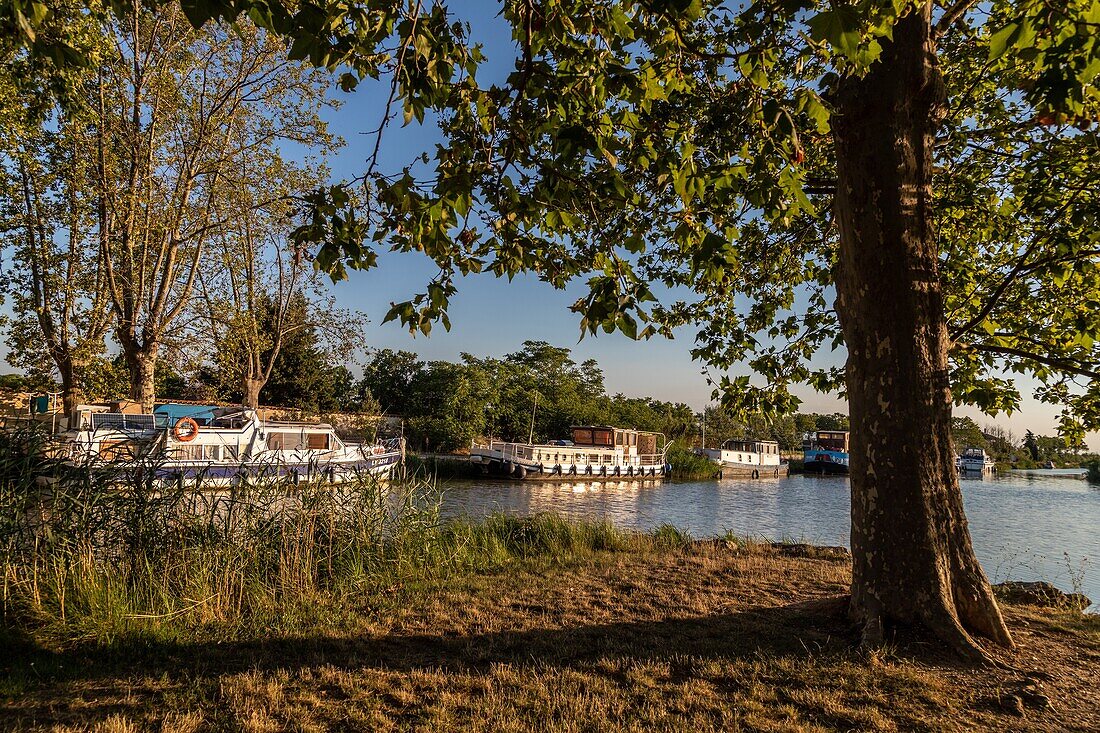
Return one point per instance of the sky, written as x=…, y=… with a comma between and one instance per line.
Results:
x=492, y=317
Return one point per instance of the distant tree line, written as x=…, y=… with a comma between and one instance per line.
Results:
x=1005, y=447
x=539, y=392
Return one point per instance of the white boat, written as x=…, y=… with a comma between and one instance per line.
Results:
x=218, y=446
x=976, y=460
x=749, y=458
x=595, y=452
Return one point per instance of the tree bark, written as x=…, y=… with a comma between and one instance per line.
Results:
x=71, y=392
x=141, y=361
x=913, y=562
x=250, y=391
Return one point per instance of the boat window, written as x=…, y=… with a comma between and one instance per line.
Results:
x=833, y=441
x=602, y=437
x=582, y=436
x=188, y=453
x=285, y=441
x=317, y=441
x=231, y=453
x=212, y=452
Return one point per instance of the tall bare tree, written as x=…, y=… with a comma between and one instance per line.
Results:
x=258, y=290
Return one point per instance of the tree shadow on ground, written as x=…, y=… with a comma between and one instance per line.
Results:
x=795, y=630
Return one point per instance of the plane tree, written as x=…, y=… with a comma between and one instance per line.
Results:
x=171, y=122
x=52, y=281
x=910, y=181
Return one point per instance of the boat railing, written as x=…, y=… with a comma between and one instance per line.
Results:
x=579, y=455
x=390, y=445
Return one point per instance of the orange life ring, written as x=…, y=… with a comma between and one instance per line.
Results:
x=192, y=430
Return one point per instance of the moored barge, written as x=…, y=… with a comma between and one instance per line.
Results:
x=595, y=452
x=747, y=459
x=827, y=453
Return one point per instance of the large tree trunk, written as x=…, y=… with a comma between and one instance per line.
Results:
x=71, y=392
x=912, y=557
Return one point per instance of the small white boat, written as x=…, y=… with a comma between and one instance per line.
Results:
x=218, y=446
x=976, y=460
x=595, y=452
x=748, y=458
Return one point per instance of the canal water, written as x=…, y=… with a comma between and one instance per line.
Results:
x=1033, y=526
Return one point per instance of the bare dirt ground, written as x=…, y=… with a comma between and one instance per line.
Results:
x=704, y=638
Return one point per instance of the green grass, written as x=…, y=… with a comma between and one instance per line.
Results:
x=458, y=467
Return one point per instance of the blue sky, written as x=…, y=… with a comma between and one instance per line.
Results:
x=493, y=317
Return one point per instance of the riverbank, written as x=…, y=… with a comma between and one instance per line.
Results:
x=550, y=625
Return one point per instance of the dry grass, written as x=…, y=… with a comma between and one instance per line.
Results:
x=695, y=638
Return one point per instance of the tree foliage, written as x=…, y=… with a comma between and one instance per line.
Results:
x=538, y=391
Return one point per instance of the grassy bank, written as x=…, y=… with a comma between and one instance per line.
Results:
x=225, y=567
x=320, y=608
x=547, y=625
x=439, y=467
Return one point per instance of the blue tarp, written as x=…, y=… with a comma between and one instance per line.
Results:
x=170, y=412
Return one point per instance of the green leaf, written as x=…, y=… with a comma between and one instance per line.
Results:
x=839, y=27
x=1000, y=41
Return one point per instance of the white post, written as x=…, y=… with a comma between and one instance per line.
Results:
x=531, y=435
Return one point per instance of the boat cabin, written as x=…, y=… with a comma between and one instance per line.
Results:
x=834, y=440
x=765, y=447
x=198, y=433
x=751, y=454
x=632, y=442
x=597, y=451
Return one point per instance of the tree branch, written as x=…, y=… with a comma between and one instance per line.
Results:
x=952, y=14
x=1066, y=365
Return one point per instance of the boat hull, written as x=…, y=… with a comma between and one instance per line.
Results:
x=215, y=475
x=521, y=470
x=748, y=470
x=826, y=462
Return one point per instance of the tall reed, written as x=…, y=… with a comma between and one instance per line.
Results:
x=87, y=552
x=93, y=554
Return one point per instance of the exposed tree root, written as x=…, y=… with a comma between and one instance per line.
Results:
x=978, y=610
x=946, y=627
x=874, y=625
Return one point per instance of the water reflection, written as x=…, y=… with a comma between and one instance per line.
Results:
x=1025, y=526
